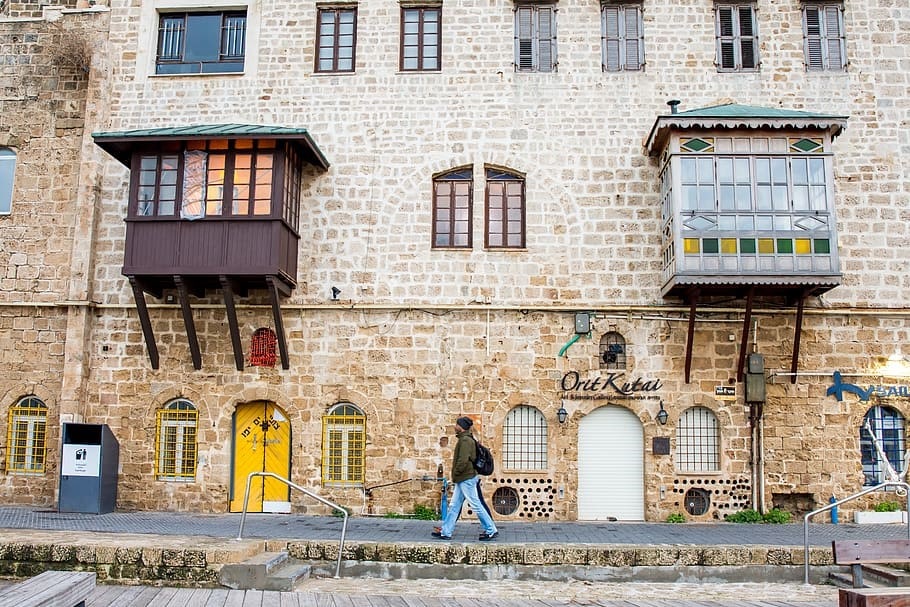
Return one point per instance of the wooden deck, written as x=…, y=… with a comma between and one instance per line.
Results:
x=145, y=596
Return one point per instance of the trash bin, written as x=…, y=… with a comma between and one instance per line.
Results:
x=88, y=469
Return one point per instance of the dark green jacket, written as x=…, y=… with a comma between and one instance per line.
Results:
x=463, y=459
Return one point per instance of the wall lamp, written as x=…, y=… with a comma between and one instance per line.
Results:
x=335, y=292
x=662, y=415
x=562, y=414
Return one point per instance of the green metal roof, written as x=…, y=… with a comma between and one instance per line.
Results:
x=736, y=116
x=120, y=144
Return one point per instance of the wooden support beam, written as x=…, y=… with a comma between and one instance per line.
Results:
x=145, y=322
x=690, y=336
x=794, y=362
x=184, y=298
x=228, y=290
x=279, y=323
x=744, y=342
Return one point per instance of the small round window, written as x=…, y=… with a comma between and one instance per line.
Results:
x=505, y=500
x=697, y=501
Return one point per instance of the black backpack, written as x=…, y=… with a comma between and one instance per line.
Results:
x=483, y=460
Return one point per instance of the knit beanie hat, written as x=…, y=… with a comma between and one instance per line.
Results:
x=464, y=422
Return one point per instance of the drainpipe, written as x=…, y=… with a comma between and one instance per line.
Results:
x=568, y=344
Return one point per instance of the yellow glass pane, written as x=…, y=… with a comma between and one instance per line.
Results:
x=803, y=246
x=691, y=246
x=766, y=246
x=244, y=144
x=728, y=245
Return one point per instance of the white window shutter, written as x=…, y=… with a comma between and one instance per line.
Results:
x=546, y=29
x=634, y=54
x=726, y=54
x=833, y=35
x=524, y=38
x=612, y=61
x=748, y=50
x=813, y=38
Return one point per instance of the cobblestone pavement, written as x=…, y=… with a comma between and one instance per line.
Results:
x=298, y=526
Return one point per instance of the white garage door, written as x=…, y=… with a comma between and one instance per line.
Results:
x=611, y=466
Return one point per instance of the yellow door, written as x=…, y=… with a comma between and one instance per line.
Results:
x=262, y=443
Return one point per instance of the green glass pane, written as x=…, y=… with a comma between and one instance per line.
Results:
x=747, y=245
x=822, y=246
x=784, y=245
x=806, y=145
x=696, y=145
x=709, y=245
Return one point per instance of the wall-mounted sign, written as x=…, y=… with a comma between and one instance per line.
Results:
x=81, y=460
x=838, y=388
x=725, y=392
x=612, y=385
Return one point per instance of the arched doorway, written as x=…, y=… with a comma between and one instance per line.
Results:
x=611, y=466
x=262, y=443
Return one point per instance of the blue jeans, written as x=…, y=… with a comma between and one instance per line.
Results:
x=466, y=490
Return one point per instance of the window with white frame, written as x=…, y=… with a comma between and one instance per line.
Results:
x=888, y=425
x=343, y=446
x=175, y=441
x=535, y=38
x=524, y=439
x=697, y=441
x=7, y=173
x=622, y=38
x=823, y=30
x=26, y=438
x=737, y=37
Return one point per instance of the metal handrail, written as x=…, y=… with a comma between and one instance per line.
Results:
x=320, y=499
x=844, y=501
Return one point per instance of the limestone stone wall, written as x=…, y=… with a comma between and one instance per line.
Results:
x=420, y=336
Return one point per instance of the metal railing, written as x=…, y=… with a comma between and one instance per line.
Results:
x=320, y=499
x=833, y=505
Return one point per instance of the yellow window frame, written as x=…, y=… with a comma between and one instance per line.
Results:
x=26, y=437
x=343, y=446
x=176, y=451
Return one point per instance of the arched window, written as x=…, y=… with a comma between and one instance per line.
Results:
x=453, y=209
x=505, y=210
x=175, y=441
x=343, y=445
x=888, y=425
x=26, y=439
x=262, y=348
x=524, y=439
x=697, y=441
x=612, y=351
x=7, y=172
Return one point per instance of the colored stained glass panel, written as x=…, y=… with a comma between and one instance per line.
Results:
x=728, y=245
x=803, y=246
x=747, y=245
x=766, y=246
x=691, y=246
x=822, y=246
x=709, y=245
x=784, y=245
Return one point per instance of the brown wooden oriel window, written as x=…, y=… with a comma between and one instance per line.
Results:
x=421, y=37
x=505, y=210
x=214, y=178
x=453, y=209
x=336, y=39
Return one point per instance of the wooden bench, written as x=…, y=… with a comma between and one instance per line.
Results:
x=857, y=553
x=50, y=589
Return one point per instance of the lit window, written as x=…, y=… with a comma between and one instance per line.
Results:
x=697, y=441
x=823, y=30
x=175, y=442
x=26, y=440
x=7, y=173
x=420, y=39
x=201, y=43
x=888, y=425
x=621, y=36
x=452, y=209
x=336, y=41
x=524, y=439
x=343, y=445
x=535, y=38
x=737, y=38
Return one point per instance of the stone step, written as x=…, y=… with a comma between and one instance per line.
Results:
x=286, y=577
x=253, y=572
x=888, y=575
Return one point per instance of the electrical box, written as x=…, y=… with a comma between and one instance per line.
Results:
x=582, y=322
x=755, y=379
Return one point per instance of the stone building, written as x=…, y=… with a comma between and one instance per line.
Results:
x=304, y=238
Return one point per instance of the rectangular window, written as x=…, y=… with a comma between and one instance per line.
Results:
x=737, y=38
x=535, y=39
x=7, y=173
x=201, y=43
x=505, y=211
x=452, y=210
x=176, y=446
x=336, y=40
x=823, y=30
x=420, y=39
x=622, y=38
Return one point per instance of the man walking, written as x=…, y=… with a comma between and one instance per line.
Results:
x=465, y=479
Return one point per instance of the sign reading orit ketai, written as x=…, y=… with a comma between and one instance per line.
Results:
x=610, y=385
